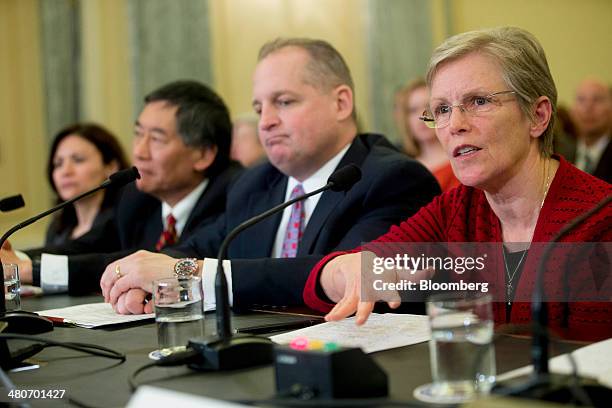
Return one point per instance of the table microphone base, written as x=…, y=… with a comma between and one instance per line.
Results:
x=557, y=388
x=238, y=351
x=26, y=323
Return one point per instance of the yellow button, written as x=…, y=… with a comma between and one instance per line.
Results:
x=316, y=345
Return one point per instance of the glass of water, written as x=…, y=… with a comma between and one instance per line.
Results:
x=12, y=300
x=179, y=313
x=461, y=349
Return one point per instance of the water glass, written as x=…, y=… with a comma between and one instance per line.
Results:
x=179, y=313
x=461, y=349
x=12, y=300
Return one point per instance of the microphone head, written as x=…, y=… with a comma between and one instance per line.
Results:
x=124, y=176
x=11, y=203
x=344, y=178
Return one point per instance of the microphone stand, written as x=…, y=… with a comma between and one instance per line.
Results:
x=230, y=351
x=543, y=384
x=28, y=322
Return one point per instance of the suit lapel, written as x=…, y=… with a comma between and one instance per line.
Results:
x=604, y=166
x=198, y=212
x=259, y=239
x=356, y=154
x=153, y=228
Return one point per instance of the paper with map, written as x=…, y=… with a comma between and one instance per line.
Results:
x=380, y=332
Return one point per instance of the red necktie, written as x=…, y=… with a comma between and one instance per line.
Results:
x=168, y=237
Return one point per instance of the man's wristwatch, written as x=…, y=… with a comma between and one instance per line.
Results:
x=186, y=268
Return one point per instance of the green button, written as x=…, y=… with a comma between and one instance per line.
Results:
x=331, y=347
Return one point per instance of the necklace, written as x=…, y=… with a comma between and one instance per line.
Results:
x=511, y=276
x=547, y=186
x=518, y=265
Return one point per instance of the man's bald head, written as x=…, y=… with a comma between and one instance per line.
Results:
x=592, y=109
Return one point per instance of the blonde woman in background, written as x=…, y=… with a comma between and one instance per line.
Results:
x=419, y=140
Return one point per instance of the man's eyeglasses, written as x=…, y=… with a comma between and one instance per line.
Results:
x=439, y=117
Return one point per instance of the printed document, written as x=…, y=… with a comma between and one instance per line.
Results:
x=380, y=332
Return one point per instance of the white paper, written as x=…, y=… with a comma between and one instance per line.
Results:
x=147, y=397
x=380, y=332
x=92, y=315
x=53, y=272
x=593, y=361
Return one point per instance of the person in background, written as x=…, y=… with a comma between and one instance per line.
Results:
x=82, y=156
x=493, y=104
x=419, y=140
x=406, y=144
x=565, y=134
x=592, y=111
x=246, y=148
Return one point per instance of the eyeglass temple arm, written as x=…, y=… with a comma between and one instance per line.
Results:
x=426, y=119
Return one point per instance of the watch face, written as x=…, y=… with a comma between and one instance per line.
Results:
x=186, y=268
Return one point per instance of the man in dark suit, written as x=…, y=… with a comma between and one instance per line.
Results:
x=592, y=111
x=181, y=148
x=303, y=94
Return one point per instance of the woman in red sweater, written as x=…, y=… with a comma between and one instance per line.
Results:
x=492, y=102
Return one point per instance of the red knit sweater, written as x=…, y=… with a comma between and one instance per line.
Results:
x=464, y=215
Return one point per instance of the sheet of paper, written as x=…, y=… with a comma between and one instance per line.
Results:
x=381, y=332
x=147, y=396
x=92, y=315
x=593, y=361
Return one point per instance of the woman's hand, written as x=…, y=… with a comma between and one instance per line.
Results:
x=351, y=281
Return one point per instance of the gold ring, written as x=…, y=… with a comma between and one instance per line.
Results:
x=118, y=271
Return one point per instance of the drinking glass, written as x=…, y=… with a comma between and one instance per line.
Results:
x=179, y=313
x=12, y=300
x=461, y=349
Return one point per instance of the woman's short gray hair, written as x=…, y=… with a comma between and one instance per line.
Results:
x=523, y=63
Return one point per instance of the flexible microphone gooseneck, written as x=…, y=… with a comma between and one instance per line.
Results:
x=11, y=203
x=228, y=351
x=31, y=323
x=539, y=311
x=541, y=385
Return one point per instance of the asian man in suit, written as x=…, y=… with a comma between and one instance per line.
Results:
x=181, y=148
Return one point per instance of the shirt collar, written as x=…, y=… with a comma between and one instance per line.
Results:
x=319, y=178
x=182, y=210
x=595, y=150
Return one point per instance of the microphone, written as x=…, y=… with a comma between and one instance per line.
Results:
x=122, y=177
x=541, y=385
x=343, y=179
x=11, y=203
x=118, y=179
x=229, y=351
x=31, y=323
